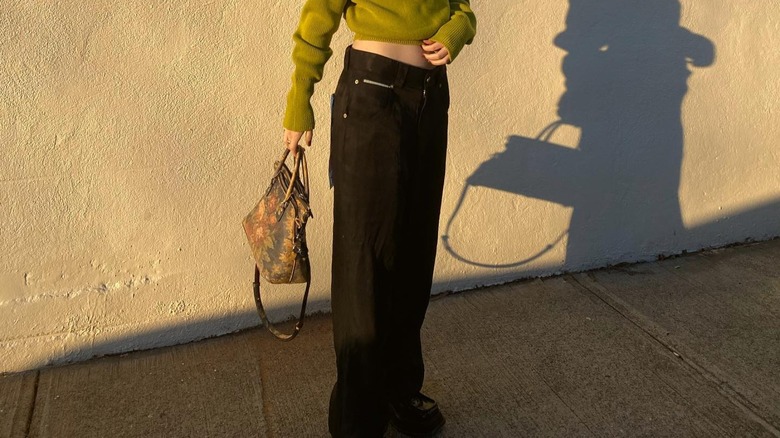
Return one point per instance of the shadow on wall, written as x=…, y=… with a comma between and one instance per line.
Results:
x=626, y=71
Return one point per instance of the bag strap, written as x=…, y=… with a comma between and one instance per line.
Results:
x=264, y=317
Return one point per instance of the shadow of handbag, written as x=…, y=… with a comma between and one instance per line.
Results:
x=276, y=229
x=533, y=167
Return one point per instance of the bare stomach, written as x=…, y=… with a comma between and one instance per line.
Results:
x=408, y=54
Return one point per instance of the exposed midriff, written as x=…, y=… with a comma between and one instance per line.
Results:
x=406, y=53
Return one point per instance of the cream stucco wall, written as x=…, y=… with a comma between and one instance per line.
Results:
x=136, y=134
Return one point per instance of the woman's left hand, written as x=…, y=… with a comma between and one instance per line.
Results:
x=436, y=53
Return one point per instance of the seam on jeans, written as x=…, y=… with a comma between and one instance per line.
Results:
x=369, y=81
x=330, y=150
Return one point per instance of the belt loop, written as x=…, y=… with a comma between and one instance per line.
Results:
x=400, y=75
x=346, y=56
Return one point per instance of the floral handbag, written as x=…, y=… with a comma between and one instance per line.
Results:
x=276, y=229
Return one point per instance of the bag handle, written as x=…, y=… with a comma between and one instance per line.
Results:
x=264, y=317
x=546, y=133
x=305, y=173
x=300, y=172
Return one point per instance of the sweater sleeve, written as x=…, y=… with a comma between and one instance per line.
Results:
x=319, y=21
x=459, y=30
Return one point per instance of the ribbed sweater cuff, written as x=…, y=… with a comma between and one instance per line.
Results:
x=299, y=115
x=454, y=34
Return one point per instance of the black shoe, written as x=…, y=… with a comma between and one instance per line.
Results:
x=418, y=416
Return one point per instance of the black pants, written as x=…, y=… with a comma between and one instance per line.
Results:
x=388, y=149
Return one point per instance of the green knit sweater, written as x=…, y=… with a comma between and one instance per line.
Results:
x=450, y=22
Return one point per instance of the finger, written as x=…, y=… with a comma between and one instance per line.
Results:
x=291, y=141
x=293, y=137
x=441, y=54
x=439, y=61
x=432, y=46
x=307, y=137
x=293, y=147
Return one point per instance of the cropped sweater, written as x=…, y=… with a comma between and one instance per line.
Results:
x=449, y=22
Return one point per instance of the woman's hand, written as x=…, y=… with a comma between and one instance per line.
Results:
x=291, y=139
x=436, y=53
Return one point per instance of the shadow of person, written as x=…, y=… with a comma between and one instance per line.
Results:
x=626, y=70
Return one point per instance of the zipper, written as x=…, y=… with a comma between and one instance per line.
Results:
x=369, y=81
x=422, y=107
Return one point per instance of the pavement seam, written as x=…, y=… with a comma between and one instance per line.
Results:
x=697, y=283
x=566, y=404
x=731, y=394
x=265, y=399
x=28, y=424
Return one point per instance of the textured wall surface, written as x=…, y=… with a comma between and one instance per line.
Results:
x=136, y=135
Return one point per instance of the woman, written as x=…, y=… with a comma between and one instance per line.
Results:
x=387, y=165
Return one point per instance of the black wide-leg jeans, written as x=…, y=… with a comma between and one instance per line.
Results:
x=387, y=162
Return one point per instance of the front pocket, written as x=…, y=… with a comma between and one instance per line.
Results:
x=368, y=98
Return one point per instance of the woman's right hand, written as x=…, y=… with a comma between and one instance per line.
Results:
x=292, y=138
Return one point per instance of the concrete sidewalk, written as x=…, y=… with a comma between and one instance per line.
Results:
x=687, y=346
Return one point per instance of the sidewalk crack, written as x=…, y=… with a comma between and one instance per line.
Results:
x=565, y=404
x=266, y=408
x=34, y=400
x=726, y=390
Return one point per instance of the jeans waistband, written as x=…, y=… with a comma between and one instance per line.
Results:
x=399, y=73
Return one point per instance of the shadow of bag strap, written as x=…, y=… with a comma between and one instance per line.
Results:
x=261, y=310
x=544, y=135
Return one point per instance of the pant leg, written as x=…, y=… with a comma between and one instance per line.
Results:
x=365, y=148
x=387, y=159
x=425, y=157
